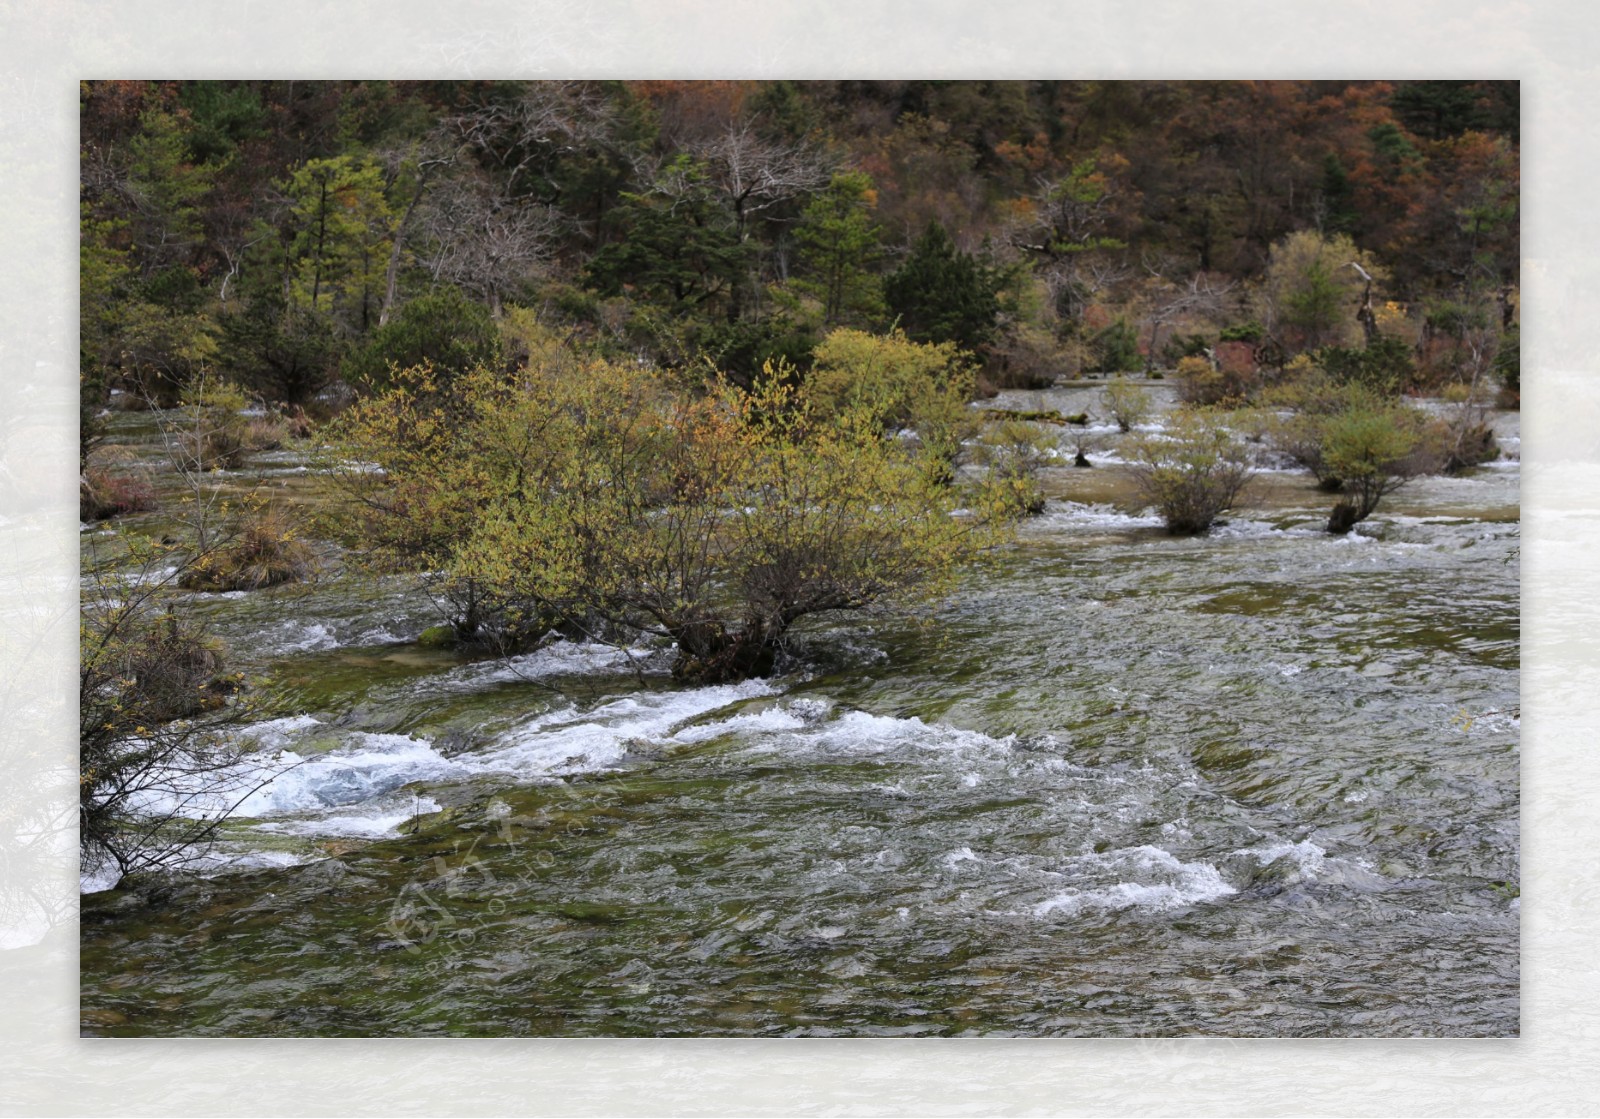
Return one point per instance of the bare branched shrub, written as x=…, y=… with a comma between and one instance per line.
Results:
x=159, y=757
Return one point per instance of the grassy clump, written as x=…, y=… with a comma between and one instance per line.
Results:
x=102, y=494
x=264, y=553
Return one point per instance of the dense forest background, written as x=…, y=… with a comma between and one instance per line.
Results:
x=301, y=238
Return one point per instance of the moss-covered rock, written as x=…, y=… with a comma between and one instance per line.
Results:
x=437, y=637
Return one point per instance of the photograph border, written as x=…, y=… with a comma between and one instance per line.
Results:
x=46, y=1069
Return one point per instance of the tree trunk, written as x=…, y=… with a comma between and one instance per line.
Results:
x=1367, y=317
x=1343, y=518
x=391, y=275
x=709, y=654
x=322, y=234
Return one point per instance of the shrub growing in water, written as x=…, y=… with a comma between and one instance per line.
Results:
x=157, y=771
x=1373, y=451
x=264, y=552
x=1127, y=402
x=1354, y=441
x=1194, y=473
x=210, y=432
x=1015, y=452
x=1311, y=402
x=717, y=519
x=906, y=385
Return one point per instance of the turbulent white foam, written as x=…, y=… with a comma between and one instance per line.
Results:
x=772, y=720
x=554, y=743
x=277, y=733
x=1244, y=529
x=559, y=658
x=569, y=740
x=367, y=826
x=1072, y=514
x=1305, y=855
x=367, y=766
x=380, y=636
x=298, y=637
x=1155, y=879
x=141, y=578
x=857, y=732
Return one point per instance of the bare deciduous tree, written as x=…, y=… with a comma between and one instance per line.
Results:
x=1203, y=293
x=486, y=243
x=522, y=139
x=753, y=173
x=424, y=160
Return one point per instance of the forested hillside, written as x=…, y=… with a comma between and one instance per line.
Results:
x=299, y=238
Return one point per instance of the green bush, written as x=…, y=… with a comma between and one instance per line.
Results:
x=1116, y=348
x=1330, y=421
x=1385, y=366
x=283, y=354
x=1194, y=473
x=1127, y=402
x=1455, y=319
x=1508, y=368
x=443, y=329
x=1180, y=346
x=741, y=349
x=941, y=294
x=1251, y=332
x=1373, y=451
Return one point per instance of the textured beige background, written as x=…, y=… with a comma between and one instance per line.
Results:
x=48, y=44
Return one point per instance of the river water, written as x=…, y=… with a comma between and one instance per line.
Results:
x=1258, y=783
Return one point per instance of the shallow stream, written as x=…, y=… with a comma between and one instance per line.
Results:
x=1262, y=782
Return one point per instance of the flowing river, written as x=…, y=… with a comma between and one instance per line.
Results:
x=1258, y=783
